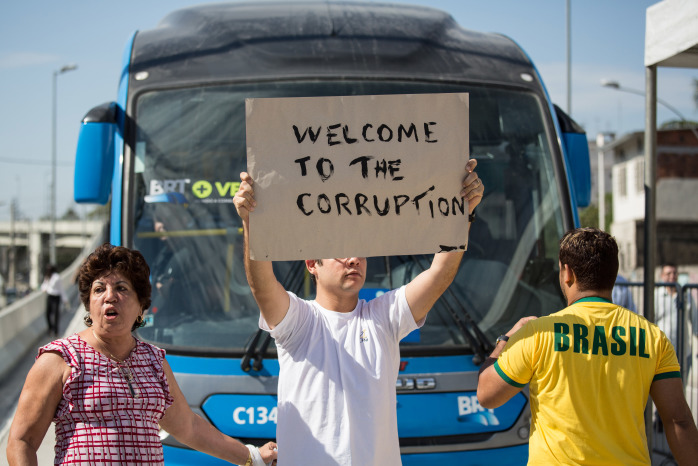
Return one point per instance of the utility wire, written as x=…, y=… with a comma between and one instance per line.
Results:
x=33, y=162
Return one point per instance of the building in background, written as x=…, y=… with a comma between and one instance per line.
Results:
x=677, y=200
x=607, y=169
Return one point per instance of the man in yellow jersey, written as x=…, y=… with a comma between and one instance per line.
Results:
x=590, y=369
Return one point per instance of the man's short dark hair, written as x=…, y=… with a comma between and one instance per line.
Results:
x=592, y=254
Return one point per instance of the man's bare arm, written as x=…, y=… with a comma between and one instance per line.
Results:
x=492, y=390
x=428, y=286
x=271, y=297
x=681, y=431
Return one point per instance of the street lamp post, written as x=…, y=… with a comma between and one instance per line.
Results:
x=616, y=85
x=52, y=240
x=568, y=14
x=12, y=255
x=601, y=182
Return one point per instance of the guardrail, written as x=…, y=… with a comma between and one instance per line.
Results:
x=23, y=322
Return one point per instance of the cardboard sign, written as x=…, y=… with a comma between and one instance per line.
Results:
x=357, y=176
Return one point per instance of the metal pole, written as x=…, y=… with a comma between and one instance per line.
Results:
x=615, y=85
x=52, y=238
x=569, y=57
x=650, y=227
x=13, y=255
x=601, y=182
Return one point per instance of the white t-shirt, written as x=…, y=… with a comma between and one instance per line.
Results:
x=336, y=396
x=52, y=286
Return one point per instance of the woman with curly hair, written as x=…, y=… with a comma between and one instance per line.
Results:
x=108, y=392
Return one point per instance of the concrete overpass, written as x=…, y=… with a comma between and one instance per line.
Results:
x=25, y=245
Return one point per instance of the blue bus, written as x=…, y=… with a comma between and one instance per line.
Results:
x=167, y=153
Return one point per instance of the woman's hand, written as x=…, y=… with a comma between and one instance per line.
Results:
x=268, y=452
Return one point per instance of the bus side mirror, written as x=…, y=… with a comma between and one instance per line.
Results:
x=94, y=158
x=574, y=138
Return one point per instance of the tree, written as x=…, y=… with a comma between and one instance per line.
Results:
x=100, y=212
x=589, y=216
x=70, y=214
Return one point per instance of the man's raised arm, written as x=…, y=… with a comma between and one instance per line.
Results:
x=428, y=286
x=271, y=297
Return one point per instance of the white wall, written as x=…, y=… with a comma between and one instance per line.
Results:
x=628, y=190
x=677, y=199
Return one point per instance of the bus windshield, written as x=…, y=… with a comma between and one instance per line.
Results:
x=189, y=148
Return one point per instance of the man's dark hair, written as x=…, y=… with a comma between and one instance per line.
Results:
x=592, y=254
x=49, y=270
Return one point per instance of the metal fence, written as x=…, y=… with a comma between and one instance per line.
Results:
x=675, y=313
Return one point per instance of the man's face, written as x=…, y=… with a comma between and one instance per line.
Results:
x=669, y=273
x=342, y=275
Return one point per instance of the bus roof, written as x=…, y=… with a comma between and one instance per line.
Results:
x=330, y=39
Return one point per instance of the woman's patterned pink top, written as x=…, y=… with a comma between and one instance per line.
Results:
x=100, y=420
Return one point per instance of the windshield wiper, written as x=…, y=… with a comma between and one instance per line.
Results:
x=249, y=350
x=259, y=355
x=292, y=281
x=477, y=339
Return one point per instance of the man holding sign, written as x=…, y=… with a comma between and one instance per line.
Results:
x=339, y=355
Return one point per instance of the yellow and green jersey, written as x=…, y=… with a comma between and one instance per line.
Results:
x=589, y=368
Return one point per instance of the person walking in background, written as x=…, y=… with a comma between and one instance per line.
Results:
x=53, y=288
x=590, y=369
x=173, y=262
x=107, y=392
x=671, y=310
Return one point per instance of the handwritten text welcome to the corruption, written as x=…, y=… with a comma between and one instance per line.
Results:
x=367, y=166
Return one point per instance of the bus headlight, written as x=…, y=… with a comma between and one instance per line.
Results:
x=523, y=432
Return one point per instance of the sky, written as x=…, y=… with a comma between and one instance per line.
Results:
x=39, y=37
